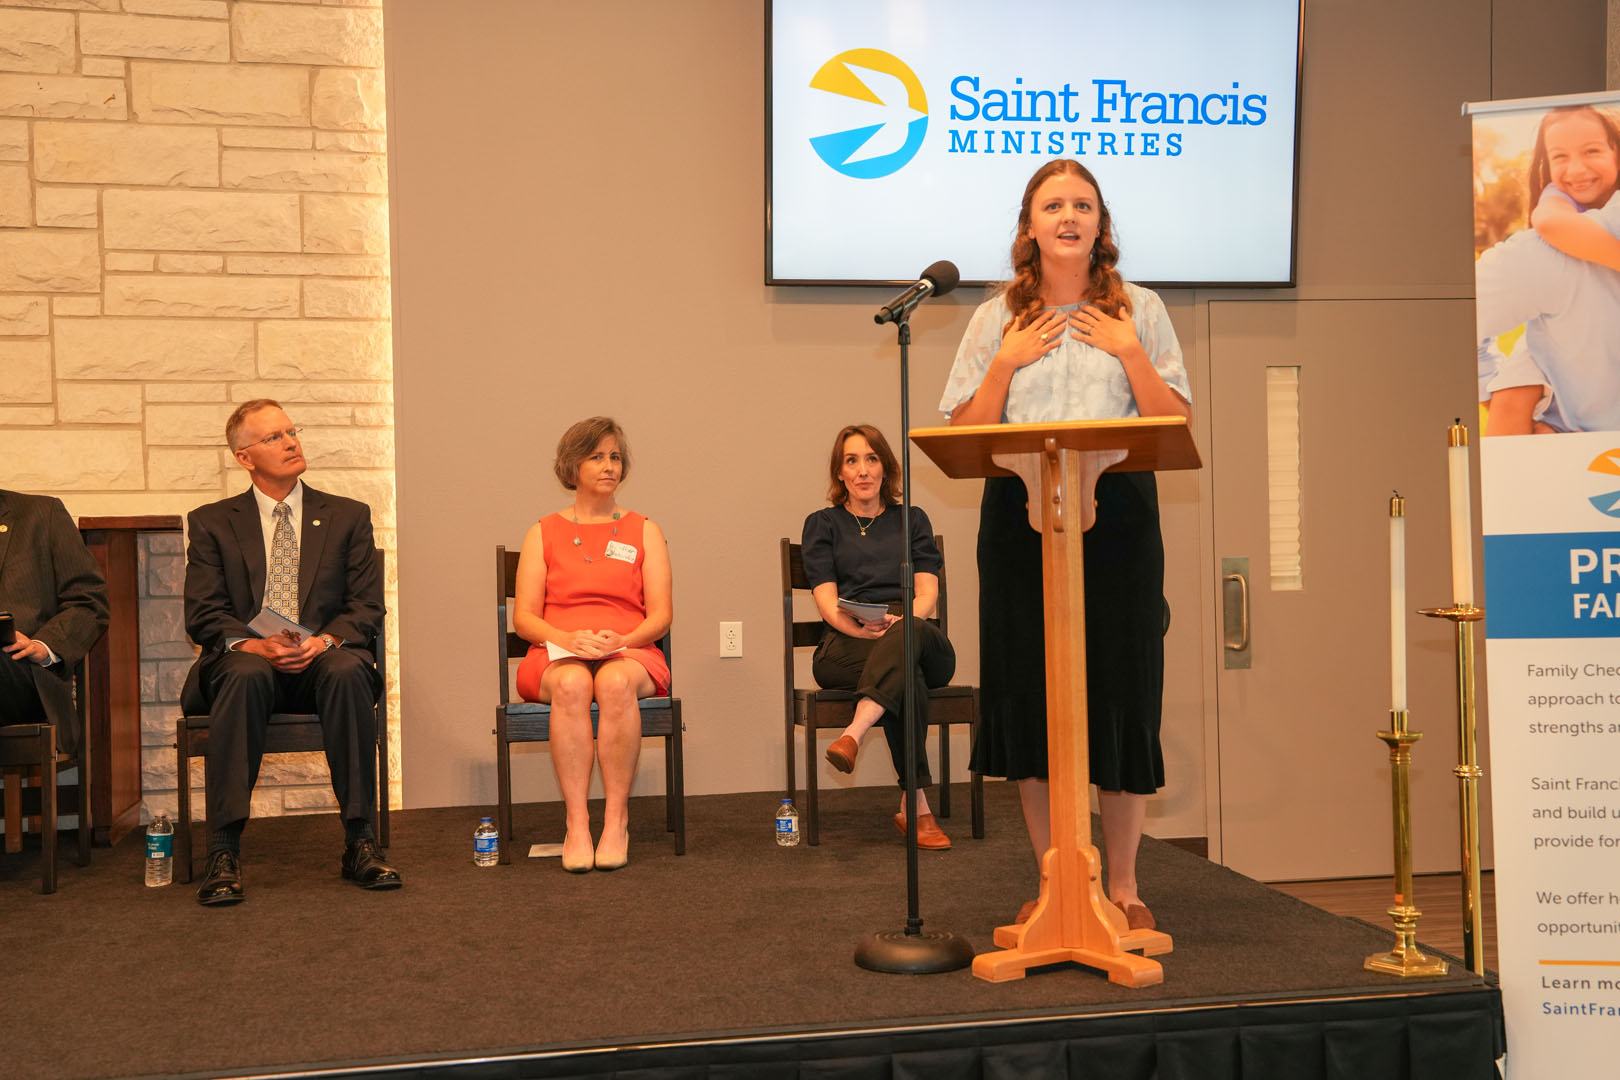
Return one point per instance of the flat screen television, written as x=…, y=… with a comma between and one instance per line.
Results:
x=901, y=132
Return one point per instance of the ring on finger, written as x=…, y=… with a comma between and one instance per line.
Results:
x=1043, y=337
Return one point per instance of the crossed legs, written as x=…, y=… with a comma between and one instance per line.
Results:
x=615, y=686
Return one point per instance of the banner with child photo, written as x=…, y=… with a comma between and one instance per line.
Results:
x=1547, y=288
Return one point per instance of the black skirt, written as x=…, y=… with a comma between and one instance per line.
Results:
x=1124, y=580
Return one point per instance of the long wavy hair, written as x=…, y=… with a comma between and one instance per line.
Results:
x=1023, y=292
x=837, y=493
x=1541, y=167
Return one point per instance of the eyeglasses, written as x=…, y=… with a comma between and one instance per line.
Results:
x=275, y=438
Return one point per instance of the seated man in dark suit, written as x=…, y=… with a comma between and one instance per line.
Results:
x=50, y=584
x=308, y=557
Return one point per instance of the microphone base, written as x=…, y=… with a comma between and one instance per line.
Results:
x=895, y=952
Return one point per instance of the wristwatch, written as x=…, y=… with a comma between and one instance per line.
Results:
x=330, y=644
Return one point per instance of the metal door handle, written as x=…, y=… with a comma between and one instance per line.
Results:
x=1243, y=611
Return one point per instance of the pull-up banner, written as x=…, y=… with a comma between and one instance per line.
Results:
x=1547, y=283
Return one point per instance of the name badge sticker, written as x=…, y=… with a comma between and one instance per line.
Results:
x=622, y=552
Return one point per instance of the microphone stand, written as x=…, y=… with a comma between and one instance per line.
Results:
x=910, y=951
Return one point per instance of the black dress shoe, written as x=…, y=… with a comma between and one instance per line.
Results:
x=222, y=882
x=363, y=864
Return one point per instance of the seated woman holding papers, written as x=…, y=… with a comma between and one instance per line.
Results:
x=593, y=598
x=852, y=555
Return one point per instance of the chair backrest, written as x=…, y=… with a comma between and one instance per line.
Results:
x=510, y=645
x=379, y=655
x=799, y=634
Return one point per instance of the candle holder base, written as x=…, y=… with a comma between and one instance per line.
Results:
x=1407, y=961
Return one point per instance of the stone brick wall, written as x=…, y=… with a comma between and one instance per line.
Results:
x=193, y=212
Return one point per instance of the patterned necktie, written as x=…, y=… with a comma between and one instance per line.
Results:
x=281, y=587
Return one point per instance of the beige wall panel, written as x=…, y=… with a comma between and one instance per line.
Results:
x=548, y=297
x=513, y=324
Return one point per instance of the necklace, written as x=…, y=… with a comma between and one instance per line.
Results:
x=578, y=542
x=868, y=525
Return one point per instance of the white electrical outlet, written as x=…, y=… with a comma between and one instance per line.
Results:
x=731, y=639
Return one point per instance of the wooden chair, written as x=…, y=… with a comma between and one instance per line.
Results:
x=27, y=748
x=527, y=721
x=289, y=733
x=816, y=709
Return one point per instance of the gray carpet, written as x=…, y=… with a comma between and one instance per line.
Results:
x=109, y=978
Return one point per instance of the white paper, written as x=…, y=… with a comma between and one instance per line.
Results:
x=557, y=652
x=864, y=612
x=544, y=851
x=268, y=624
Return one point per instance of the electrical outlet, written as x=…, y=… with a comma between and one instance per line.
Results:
x=731, y=639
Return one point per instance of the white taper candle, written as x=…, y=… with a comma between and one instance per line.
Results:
x=1462, y=518
x=1397, y=603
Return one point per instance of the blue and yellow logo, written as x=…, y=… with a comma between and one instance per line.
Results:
x=1607, y=464
x=840, y=147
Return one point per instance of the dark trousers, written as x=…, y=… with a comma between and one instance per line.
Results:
x=872, y=668
x=339, y=685
x=19, y=699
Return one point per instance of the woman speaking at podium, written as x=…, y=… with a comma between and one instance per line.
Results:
x=1068, y=339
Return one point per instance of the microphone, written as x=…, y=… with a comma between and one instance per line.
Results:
x=937, y=280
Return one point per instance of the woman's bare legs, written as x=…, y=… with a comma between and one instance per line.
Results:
x=1036, y=798
x=568, y=687
x=1123, y=815
x=867, y=713
x=922, y=802
x=619, y=684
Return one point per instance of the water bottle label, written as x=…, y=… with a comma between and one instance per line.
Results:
x=159, y=846
x=484, y=845
x=786, y=825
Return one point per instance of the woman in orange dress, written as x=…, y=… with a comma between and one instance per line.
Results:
x=593, y=599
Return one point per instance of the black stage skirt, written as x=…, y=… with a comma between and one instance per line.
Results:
x=1124, y=575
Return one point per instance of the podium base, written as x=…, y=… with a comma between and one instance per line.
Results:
x=895, y=952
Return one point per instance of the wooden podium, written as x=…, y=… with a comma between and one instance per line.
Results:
x=1073, y=920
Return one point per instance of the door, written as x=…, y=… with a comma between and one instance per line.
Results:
x=1304, y=784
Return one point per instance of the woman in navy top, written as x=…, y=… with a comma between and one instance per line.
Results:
x=852, y=551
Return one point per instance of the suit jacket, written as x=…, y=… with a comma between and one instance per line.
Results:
x=340, y=588
x=51, y=584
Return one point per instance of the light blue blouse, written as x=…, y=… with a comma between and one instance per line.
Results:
x=1074, y=381
x=1571, y=312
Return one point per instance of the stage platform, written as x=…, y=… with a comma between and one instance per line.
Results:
x=731, y=961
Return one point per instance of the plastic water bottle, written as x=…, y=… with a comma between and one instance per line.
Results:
x=787, y=825
x=486, y=843
x=160, y=850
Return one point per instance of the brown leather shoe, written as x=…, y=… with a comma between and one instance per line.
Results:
x=929, y=835
x=1138, y=917
x=842, y=753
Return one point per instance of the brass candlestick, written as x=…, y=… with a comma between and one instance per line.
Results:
x=1468, y=773
x=1405, y=958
